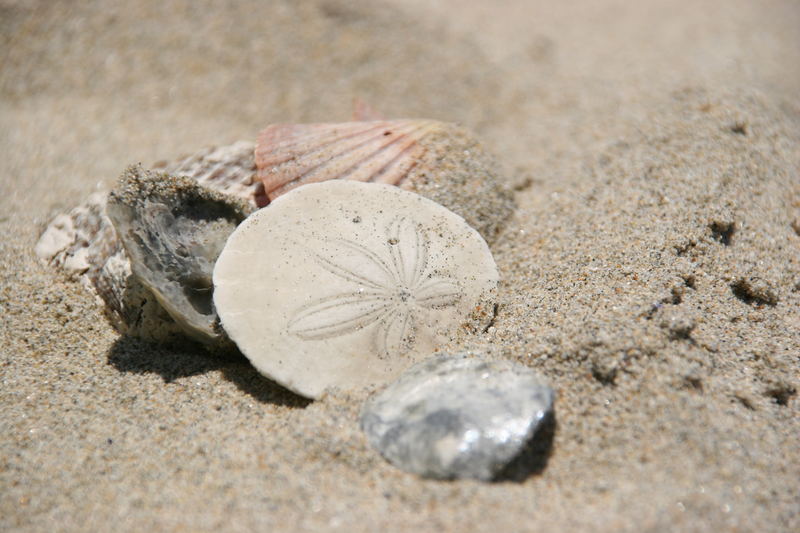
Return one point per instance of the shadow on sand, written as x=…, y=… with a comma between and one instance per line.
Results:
x=532, y=460
x=129, y=354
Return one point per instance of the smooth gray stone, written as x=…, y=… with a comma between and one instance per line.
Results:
x=457, y=416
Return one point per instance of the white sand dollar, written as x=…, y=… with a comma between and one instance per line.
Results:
x=346, y=284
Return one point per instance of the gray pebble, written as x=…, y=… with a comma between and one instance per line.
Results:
x=457, y=416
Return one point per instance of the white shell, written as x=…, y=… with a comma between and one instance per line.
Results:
x=345, y=284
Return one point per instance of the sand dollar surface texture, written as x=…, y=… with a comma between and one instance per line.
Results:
x=346, y=284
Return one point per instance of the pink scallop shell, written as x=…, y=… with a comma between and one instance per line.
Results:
x=382, y=151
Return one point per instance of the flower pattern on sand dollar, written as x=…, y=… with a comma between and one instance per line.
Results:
x=389, y=295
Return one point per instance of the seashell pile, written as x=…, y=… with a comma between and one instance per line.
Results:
x=331, y=256
x=440, y=161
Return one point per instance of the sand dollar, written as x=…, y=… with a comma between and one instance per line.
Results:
x=347, y=284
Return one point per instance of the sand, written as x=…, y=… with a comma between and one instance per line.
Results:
x=651, y=272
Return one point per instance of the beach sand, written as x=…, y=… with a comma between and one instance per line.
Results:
x=651, y=271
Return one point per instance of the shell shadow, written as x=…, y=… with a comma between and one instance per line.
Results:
x=533, y=458
x=130, y=354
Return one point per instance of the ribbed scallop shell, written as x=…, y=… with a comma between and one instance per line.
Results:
x=383, y=151
x=228, y=169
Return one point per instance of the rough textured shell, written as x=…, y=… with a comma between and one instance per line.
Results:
x=84, y=244
x=173, y=230
x=228, y=169
x=384, y=151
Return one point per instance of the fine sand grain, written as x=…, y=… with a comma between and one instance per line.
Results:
x=651, y=272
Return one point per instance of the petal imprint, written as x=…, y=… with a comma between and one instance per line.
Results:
x=395, y=334
x=361, y=256
x=337, y=315
x=408, y=249
x=355, y=275
x=437, y=293
x=396, y=290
